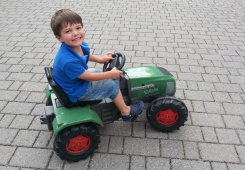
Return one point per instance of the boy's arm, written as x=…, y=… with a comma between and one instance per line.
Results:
x=90, y=76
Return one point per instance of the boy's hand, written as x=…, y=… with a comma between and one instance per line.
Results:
x=106, y=58
x=115, y=74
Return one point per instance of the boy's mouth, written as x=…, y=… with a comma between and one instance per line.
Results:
x=75, y=39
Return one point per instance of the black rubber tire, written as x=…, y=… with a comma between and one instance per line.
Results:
x=63, y=138
x=164, y=105
x=49, y=101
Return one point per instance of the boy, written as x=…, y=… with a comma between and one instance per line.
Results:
x=71, y=71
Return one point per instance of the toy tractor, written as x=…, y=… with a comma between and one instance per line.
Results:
x=76, y=125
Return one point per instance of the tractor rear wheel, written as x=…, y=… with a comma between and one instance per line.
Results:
x=77, y=143
x=167, y=114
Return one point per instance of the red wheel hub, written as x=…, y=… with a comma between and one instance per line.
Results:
x=167, y=117
x=78, y=144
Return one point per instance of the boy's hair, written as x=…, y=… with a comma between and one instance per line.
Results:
x=62, y=18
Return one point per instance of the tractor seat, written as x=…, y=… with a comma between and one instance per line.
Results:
x=61, y=95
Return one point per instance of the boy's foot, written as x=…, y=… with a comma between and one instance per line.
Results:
x=135, y=110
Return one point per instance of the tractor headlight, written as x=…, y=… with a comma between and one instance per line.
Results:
x=170, y=88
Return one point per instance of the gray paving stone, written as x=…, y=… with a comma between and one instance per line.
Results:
x=21, y=122
x=214, y=107
x=7, y=135
x=218, y=166
x=33, y=86
x=198, y=106
x=43, y=139
x=234, y=121
x=198, y=95
x=116, y=144
x=22, y=96
x=141, y=146
x=16, y=85
x=234, y=109
x=8, y=168
x=191, y=150
x=227, y=136
x=36, y=97
x=56, y=163
x=18, y=108
x=27, y=157
x=138, y=129
x=190, y=77
x=204, y=119
x=6, y=153
x=36, y=125
x=190, y=165
x=221, y=97
x=20, y=76
x=138, y=163
x=5, y=84
x=152, y=133
x=236, y=166
x=209, y=134
x=172, y=149
x=218, y=152
x=38, y=109
x=233, y=88
x=6, y=120
x=100, y=161
x=241, y=153
x=104, y=144
x=116, y=128
x=189, y=133
x=6, y=95
x=157, y=163
x=25, y=138
x=2, y=104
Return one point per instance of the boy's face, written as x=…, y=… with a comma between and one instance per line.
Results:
x=72, y=35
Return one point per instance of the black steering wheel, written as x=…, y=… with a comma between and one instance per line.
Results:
x=117, y=61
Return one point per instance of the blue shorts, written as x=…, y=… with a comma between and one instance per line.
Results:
x=102, y=89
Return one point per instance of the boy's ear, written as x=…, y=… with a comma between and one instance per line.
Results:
x=59, y=38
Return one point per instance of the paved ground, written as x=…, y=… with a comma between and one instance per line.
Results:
x=202, y=43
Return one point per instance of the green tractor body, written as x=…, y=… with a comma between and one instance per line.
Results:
x=144, y=83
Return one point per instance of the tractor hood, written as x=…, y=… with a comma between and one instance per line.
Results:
x=150, y=81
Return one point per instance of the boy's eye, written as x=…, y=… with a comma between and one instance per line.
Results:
x=67, y=31
x=79, y=27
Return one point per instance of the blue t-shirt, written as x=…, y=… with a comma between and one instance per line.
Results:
x=68, y=66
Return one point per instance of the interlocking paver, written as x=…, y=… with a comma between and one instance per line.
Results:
x=25, y=138
x=99, y=161
x=6, y=153
x=172, y=149
x=116, y=144
x=137, y=163
x=190, y=165
x=142, y=146
x=203, y=49
x=30, y=157
x=218, y=152
x=206, y=119
x=157, y=163
x=18, y=108
x=227, y=136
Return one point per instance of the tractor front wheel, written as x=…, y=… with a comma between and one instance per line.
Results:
x=167, y=114
x=77, y=143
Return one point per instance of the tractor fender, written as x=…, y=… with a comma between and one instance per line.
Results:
x=67, y=117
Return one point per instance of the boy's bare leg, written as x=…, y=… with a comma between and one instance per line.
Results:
x=121, y=105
